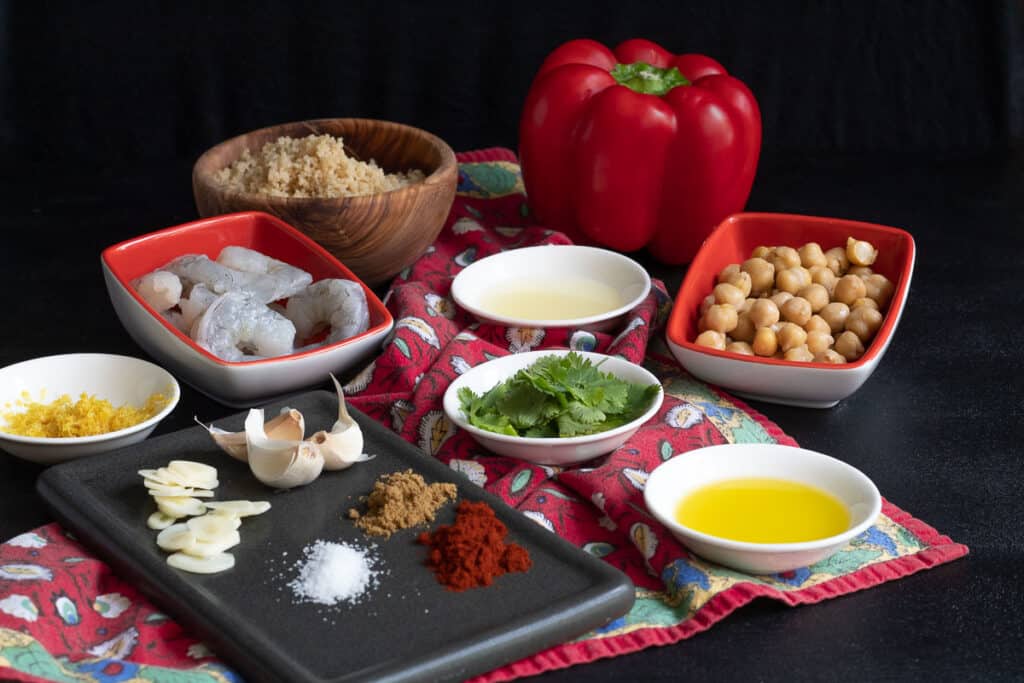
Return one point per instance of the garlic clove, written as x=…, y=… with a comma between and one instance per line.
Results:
x=201, y=565
x=343, y=445
x=280, y=463
x=290, y=425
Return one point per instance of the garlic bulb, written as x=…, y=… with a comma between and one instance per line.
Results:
x=280, y=463
x=343, y=445
x=290, y=425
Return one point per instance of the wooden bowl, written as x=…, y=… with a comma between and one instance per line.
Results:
x=376, y=235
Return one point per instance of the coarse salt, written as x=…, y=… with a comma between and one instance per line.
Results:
x=333, y=572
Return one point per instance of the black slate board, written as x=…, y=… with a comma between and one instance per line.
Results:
x=409, y=628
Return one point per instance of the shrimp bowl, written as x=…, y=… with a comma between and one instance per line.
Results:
x=243, y=307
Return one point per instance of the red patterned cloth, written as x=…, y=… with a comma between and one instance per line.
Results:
x=65, y=616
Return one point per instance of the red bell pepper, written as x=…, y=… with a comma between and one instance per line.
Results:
x=637, y=147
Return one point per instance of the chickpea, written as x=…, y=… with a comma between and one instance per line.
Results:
x=837, y=261
x=721, y=317
x=835, y=315
x=762, y=252
x=860, y=271
x=784, y=258
x=800, y=354
x=796, y=310
x=740, y=347
x=823, y=275
x=741, y=281
x=812, y=255
x=859, y=252
x=864, y=301
x=763, y=313
x=849, y=346
x=706, y=303
x=792, y=280
x=849, y=289
x=765, y=342
x=712, y=339
x=780, y=297
x=817, y=324
x=728, y=272
x=747, y=304
x=744, y=330
x=790, y=336
x=829, y=356
x=880, y=288
x=816, y=295
x=819, y=342
x=762, y=275
x=864, y=322
x=729, y=294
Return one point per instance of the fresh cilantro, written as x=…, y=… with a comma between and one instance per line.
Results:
x=557, y=396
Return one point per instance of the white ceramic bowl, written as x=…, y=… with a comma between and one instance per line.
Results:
x=241, y=384
x=811, y=385
x=547, y=451
x=674, y=479
x=118, y=379
x=556, y=269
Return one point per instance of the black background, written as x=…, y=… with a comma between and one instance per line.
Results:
x=901, y=113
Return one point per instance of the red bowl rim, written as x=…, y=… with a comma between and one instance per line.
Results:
x=902, y=286
x=372, y=300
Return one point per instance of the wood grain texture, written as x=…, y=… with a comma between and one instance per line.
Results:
x=376, y=235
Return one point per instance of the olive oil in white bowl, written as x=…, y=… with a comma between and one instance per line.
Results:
x=552, y=286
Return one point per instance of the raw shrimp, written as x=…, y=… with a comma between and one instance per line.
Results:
x=192, y=306
x=198, y=268
x=236, y=325
x=290, y=280
x=160, y=289
x=335, y=302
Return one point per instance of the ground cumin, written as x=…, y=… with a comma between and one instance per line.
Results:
x=400, y=500
x=472, y=552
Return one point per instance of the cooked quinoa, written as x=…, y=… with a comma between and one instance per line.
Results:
x=88, y=416
x=313, y=166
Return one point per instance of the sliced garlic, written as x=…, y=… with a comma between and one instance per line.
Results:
x=280, y=463
x=176, y=537
x=158, y=521
x=195, y=471
x=165, y=477
x=214, y=546
x=289, y=425
x=202, y=565
x=343, y=445
x=178, y=492
x=239, y=508
x=174, y=506
x=211, y=527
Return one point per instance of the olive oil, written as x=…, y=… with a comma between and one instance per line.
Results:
x=763, y=510
x=559, y=298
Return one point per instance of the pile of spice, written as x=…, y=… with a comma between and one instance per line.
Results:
x=88, y=416
x=472, y=552
x=334, y=572
x=400, y=500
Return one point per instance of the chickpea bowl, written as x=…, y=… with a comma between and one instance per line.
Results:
x=791, y=309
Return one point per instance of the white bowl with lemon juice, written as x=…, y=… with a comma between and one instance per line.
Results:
x=552, y=286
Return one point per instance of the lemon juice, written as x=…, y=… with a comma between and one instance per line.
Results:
x=763, y=510
x=562, y=298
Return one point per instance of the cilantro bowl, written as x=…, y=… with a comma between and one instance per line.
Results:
x=596, y=386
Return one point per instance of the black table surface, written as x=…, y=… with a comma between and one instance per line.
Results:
x=938, y=425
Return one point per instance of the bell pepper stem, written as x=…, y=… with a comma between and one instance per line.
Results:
x=647, y=79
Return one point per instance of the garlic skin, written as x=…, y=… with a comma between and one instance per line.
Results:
x=290, y=425
x=343, y=445
x=280, y=463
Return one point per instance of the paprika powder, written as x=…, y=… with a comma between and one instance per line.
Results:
x=637, y=147
x=472, y=552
